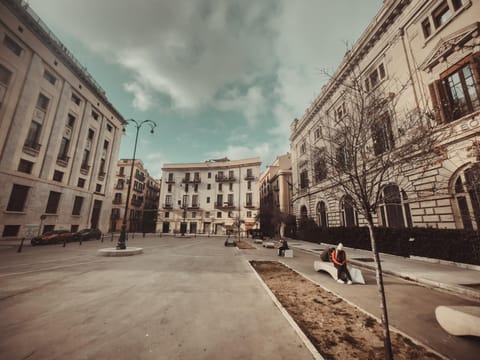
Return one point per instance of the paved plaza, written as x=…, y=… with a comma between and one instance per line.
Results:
x=183, y=298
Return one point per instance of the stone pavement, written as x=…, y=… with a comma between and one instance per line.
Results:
x=459, y=278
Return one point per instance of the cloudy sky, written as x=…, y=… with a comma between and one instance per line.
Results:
x=219, y=77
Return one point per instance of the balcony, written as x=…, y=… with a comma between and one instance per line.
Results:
x=170, y=181
x=117, y=201
x=140, y=177
x=119, y=186
x=195, y=180
x=62, y=160
x=31, y=148
x=137, y=202
x=84, y=169
x=249, y=205
x=167, y=206
x=223, y=178
x=193, y=207
x=249, y=177
x=225, y=205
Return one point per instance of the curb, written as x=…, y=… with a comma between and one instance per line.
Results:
x=316, y=355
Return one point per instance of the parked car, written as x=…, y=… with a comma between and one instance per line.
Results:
x=87, y=234
x=52, y=237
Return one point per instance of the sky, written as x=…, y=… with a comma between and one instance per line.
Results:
x=220, y=78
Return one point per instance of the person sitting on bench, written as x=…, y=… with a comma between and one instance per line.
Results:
x=339, y=259
x=283, y=247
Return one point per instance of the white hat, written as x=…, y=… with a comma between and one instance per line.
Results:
x=340, y=246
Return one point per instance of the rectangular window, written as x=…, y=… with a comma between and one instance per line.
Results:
x=382, y=135
x=76, y=99
x=109, y=128
x=42, y=102
x=195, y=187
x=219, y=214
x=12, y=45
x=207, y=214
x=249, y=185
x=18, y=197
x=208, y=199
x=209, y=175
x=220, y=187
x=63, y=152
x=167, y=214
x=249, y=214
x=86, y=155
x=230, y=187
x=81, y=182
x=98, y=188
x=209, y=186
x=71, y=120
x=33, y=136
x=231, y=174
x=457, y=4
x=10, y=230
x=426, y=28
x=219, y=200
x=25, y=166
x=456, y=93
x=5, y=75
x=77, y=205
x=91, y=134
x=320, y=169
x=304, y=179
x=230, y=199
x=47, y=75
x=169, y=187
x=441, y=14
x=249, y=199
x=57, y=176
x=52, y=203
x=95, y=115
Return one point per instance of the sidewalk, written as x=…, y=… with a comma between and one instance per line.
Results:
x=458, y=279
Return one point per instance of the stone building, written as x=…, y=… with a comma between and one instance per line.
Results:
x=143, y=201
x=213, y=197
x=426, y=55
x=59, y=134
x=275, y=194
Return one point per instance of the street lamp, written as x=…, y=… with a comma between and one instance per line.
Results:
x=121, y=240
x=183, y=226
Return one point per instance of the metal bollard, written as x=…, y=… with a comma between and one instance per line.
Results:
x=21, y=246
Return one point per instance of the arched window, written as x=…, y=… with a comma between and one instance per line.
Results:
x=467, y=194
x=322, y=218
x=349, y=216
x=394, y=207
x=303, y=213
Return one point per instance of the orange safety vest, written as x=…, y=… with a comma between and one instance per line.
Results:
x=335, y=260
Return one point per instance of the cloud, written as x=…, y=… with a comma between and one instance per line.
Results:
x=142, y=99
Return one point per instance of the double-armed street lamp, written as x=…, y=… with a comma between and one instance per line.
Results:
x=121, y=245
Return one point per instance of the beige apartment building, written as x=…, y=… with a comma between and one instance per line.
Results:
x=143, y=200
x=59, y=134
x=426, y=55
x=275, y=187
x=213, y=197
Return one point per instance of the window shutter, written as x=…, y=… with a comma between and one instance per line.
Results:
x=476, y=71
x=439, y=101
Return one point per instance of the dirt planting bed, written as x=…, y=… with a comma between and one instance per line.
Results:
x=337, y=329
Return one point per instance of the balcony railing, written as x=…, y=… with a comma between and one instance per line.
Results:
x=170, y=181
x=194, y=207
x=224, y=178
x=167, y=206
x=140, y=177
x=117, y=201
x=249, y=205
x=249, y=177
x=225, y=205
x=63, y=160
x=195, y=180
x=84, y=169
x=119, y=186
x=32, y=148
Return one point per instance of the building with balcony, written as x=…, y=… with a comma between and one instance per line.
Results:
x=425, y=55
x=59, y=134
x=275, y=187
x=213, y=197
x=143, y=201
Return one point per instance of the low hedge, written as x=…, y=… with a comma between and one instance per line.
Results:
x=446, y=244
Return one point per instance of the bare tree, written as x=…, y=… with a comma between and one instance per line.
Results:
x=367, y=142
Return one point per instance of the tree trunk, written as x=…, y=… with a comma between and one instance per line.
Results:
x=383, y=303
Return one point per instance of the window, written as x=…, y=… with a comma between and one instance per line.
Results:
x=63, y=152
x=209, y=175
x=457, y=4
x=42, y=102
x=209, y=186
x=81, y=182
x=98, y=188
x=47, y=75
x=303, y=148
x=71, y=120
x=231, y=174
x=167, y=214
x=25, y=166
x=382, y=135
x=219, y=214
x=230, y=187
x=91, y=134
x=86, y=155
x=249, y=185
x=52, y=203
x=5, y=76
x=195, y=187
x=456, y=93
x=33, y=135
x=74, y=228
x=249, y=199
x=230, y=199
x=109, y=128
x=76, y=99
x=208, y=199
x=340, y=112
x=18, y=197
x=194, y=201
x=95, y=115
x=10, y=230
x=467, y=190
x=375, y=76
x=304, y=179
x=207, y=214
x=194, y=214
x=249, y=214
x=349, y=216
x=57, y=176
x=320, y=169
x=12, y=45
x=220, y=187
x=117, y=199
x=169, y=187
x=77, y=205
x=317, y=133
x=441, y=14
x=394, y=208
x=322, y=214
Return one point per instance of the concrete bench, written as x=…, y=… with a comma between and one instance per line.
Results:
x=326, y=266
x=268, y=244
x=288, y=253
x=459, y=320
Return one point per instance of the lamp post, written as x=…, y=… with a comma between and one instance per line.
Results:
x=121, y=240
x=183, y=225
